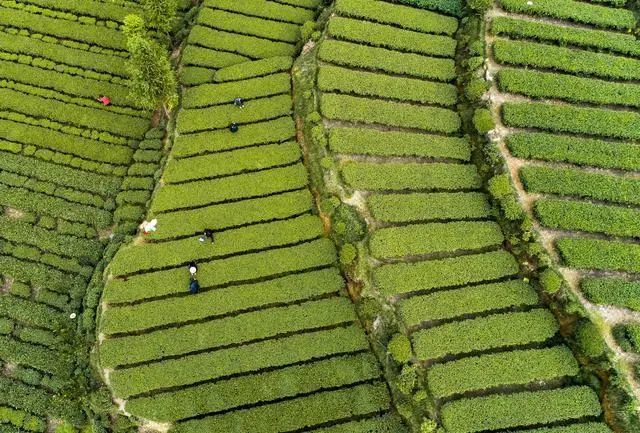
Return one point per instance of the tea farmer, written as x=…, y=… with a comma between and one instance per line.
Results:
x=238, y=102
x=193, y=269
x=234, y=127
x=105, y=100
x=208, y=233
x=194, y=286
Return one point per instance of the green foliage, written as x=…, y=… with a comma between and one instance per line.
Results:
x=498, y=330
x=551, y=281
x=590, y=340
x=206, y=192
x=399, y=348
x=483, y=121
x=428, y=206
x=588, y=217
x=407, y=277
x=389, y=13
x=270, y=353
x=348, y=224
x=395, y=143
x=65, y=427
x=577, y=150
x=152, y=80
x=574, y=89
x=501, y=189
x=444, y=305
x=485, y=372
x=614, y=291
x=564, y=59
x=364, y=56
x=587, y=37
x=376, y=111
x=519, y=409
x=475, y=89
x=331, y=78
x=580, y=183
x=587, y=13
x=256, y=388
x=600, y=254
x=453, y=7
x=428, y=426
x=407, y=379
x=480, y=5
x=402, y=176
x=294, y=288
x=419, y=239
x=380, y=35
x=315, y=409
x=348, y=254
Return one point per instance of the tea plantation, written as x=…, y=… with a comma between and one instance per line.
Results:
x=429, y=321
x=565, y=96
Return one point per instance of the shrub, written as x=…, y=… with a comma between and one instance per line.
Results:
x=551, y=281
x=348, y=224
x=475, y=89
x=590, y=340
x=480, y=5
x=482, y=121
x=399, y=348
x=348, y=254
x=407, y=379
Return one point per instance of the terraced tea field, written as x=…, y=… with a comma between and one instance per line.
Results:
x=270, y=343
x=435, y=251
x=566, y=96
x=66, y=164
x=101, y=330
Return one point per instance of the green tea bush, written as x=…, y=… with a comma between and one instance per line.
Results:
x=444, y=305
x=407, y=277
x=376, y=111
x=380, y=35
x=577, y=150
x=491, y=332
x=588, y=217
x=331, y=78
x=586, y=13
x=590, y=341
x=399, y=348
x=428, y=206
x=551, y=281
x=242, y=359
x=407, y=176
x=519, y=409
x=564, y=59
x=408, y=18
x=483, y=121
x=576, y=182
x=615, y=291
x=517, y=367
x=574, y=89
x=599, y=254
x=382, y=59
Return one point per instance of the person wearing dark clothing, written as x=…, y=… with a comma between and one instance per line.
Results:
x=208, y=233
x=238, y=102
x=193, y=268
x=234, y=127
x=194, y=286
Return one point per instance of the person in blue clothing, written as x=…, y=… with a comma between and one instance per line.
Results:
x=234, y=127
x=238, y=102
x=194, y=286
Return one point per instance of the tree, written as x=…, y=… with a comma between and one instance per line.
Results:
x=160, y=14
x=152, y=80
